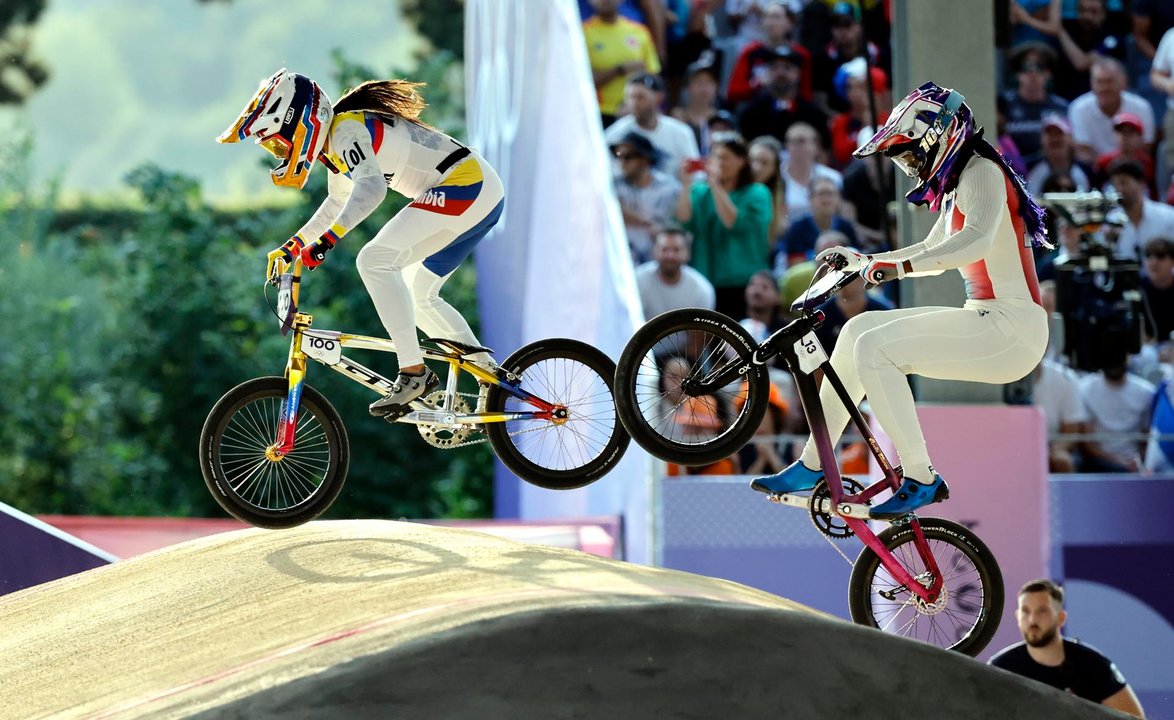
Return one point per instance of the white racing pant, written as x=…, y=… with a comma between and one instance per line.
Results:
x=991, y=341
x=411, y=257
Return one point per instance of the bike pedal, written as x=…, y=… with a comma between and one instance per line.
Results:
x=393, y=415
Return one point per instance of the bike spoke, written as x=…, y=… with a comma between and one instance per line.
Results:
x=943, y=626
x=273, y=485
x=590, y=405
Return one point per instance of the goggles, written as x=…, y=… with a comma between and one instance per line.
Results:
x=277, y=146
x=907, y=158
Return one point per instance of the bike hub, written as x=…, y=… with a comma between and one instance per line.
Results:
x=560, y=415
x=272, y=454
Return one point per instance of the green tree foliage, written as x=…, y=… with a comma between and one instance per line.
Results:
x=444, y=81
x=442, y=22
x=22, y=72
x=124, y=326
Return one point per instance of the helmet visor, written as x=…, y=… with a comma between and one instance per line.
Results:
x=242, y=127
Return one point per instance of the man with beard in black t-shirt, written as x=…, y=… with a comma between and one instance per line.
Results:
x=1048, y=657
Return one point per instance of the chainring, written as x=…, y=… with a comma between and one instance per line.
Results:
x=831, y=524
x=446, y=436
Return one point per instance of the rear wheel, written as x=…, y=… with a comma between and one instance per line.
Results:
x=967, y=613
x=257, y=488
x=564, y=454
x=656, y=404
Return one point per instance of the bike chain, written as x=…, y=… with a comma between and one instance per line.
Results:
x=811, y=515
x=484, y=437
x=832, y=542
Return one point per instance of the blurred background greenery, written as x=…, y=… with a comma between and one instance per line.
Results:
x=130, y=305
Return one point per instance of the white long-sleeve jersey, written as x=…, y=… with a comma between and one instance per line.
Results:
x=980, y=233
x=372, y=155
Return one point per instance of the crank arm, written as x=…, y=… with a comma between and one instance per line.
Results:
x=848, y=510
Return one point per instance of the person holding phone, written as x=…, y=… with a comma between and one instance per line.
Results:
x=729, y=216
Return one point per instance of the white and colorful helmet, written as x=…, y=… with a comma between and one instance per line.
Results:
x=290, y=117
x=923, y=134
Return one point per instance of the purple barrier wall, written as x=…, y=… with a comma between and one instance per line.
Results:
x=32, y=552
x=1115, y=554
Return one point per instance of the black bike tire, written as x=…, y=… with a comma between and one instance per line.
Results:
x=311, y=401
x=959, y=537
x=628, y=373
x=503, y=443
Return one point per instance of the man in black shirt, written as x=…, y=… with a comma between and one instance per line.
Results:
x=1048, y=657
x=777, y=104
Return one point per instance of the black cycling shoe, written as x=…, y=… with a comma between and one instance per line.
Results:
x=406, y=389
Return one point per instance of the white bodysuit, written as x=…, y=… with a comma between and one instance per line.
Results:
x=998, y=336
x=457, y=198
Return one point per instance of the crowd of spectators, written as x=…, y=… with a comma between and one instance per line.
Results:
x=732, y=125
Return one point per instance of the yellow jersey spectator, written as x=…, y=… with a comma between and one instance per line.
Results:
x=617, y=47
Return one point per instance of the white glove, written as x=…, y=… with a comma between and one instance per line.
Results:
x=879, y=271
x=842, y=258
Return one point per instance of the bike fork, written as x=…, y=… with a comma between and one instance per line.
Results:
x=287, y=422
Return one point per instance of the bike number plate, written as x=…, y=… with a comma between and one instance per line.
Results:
x=323, y=348
x=810, y=352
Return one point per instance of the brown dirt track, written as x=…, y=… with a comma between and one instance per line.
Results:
x=362, y=619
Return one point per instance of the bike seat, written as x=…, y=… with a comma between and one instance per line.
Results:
x=460, y=348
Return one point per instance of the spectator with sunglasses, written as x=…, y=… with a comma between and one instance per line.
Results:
x=647, y=196
x=1031, y=101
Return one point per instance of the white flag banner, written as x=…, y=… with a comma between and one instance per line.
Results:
x=558, y=264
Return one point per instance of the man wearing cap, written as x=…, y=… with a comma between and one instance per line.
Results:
x=647, y=196
x=700, y=101
x=1027, y=104
x=1056, y=157
x=1127, y=131
x=778, y=20
x=848, y=43
x=643, y=96
x=777, y=104
x=1091, y=114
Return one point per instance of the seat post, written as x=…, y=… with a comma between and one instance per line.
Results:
x=450, y=386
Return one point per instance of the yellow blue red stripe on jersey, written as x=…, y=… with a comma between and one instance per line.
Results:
x=446, y=260
x=375, y=127
x=456, y=192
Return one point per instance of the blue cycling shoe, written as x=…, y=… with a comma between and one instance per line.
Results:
x=909, y=497
x=793, y=478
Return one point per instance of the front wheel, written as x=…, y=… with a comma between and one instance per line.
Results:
x=965, y=616
x=247, y=480
x=564, y=454
x=655, y=395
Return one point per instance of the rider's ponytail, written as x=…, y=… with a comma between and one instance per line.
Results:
x=393, y=99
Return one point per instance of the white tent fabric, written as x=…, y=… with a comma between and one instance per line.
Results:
x=557, y=264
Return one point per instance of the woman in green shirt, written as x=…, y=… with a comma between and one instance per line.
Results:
x=729, y=216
